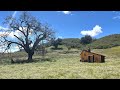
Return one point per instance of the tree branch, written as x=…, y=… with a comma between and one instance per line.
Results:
x=19, y=30
x=39, y=36
x=21, y=21
x=22, y=32
x=11, y=42
x=26, y=38
x=20, y=39
x=36, y=42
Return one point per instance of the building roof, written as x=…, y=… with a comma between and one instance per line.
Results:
x=92, y=53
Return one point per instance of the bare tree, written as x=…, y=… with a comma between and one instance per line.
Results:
x=30, y=32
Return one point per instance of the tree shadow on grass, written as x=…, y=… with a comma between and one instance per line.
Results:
x=57, y=48
x=18, y=61
x=35, y=60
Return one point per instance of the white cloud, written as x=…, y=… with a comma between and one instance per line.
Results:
x=17, y=33
x=116, y=12
x=14, y=49
x=60, y=37
x=11, y=35
x=116, y=17
x=2, y=28
x=66, y=12
x=94, y=32
x=2, y=34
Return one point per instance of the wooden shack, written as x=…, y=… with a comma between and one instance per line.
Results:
x=88, y=56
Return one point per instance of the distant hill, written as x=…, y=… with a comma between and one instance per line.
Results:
x=72, y=42
x=102, y=43
x=106, y=42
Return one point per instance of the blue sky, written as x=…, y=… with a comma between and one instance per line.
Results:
x=75, y=24
x=70, y=24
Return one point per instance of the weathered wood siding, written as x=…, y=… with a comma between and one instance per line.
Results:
x=91, y=57
x=84, y=56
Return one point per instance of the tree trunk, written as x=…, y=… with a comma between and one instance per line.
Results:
x=56, y=46
x=30, y=57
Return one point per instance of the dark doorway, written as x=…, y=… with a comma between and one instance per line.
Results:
x=93, y=58
x=102, y=59
x=89, y=59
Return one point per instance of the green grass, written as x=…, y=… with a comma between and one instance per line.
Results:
x=65, y=66
x=106, y=42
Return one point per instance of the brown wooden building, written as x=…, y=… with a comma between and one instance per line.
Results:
x=87, y=56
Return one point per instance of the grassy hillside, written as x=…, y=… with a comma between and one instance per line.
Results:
x=72, y=42
x=107, y=42
x=102, y=43
x=66, y=66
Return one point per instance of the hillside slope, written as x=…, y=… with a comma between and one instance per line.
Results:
x=106, y=42
x=110, y=53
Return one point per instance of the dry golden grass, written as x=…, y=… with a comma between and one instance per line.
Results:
x=65, y=66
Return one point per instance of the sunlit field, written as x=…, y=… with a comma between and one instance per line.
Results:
x=62, y=64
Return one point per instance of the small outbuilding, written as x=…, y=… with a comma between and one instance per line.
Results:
x=88, y=56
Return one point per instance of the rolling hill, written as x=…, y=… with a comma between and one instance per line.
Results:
x=106, y=42
x=102, y=43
